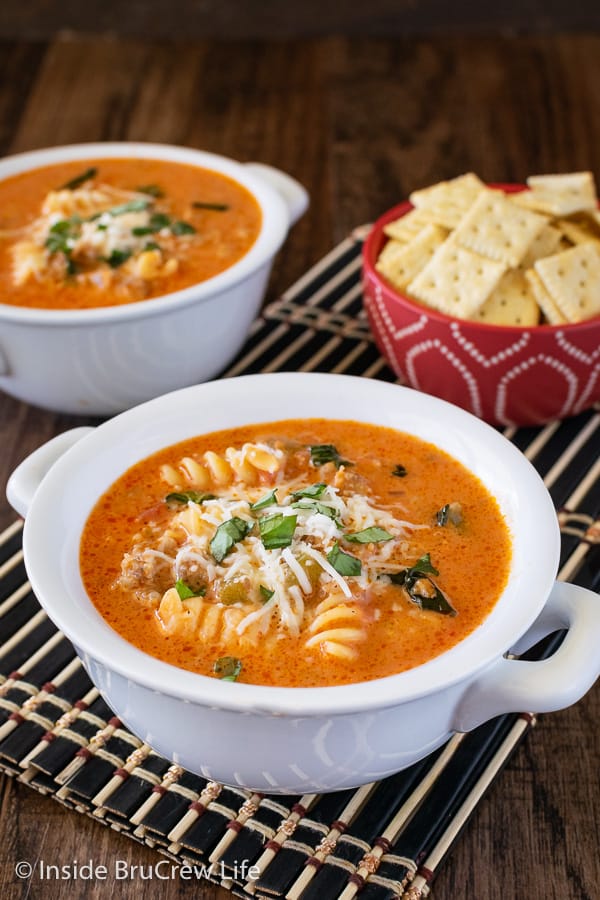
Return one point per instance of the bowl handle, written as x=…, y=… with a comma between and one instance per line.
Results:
x=511, y=685
x=292, y=192
x=27, y=477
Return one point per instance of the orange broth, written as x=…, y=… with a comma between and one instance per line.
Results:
x=221, y=236
x=472, y=558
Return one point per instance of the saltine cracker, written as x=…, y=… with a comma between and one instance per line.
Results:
x=572, y=278
x=547, y=242
x=512, y=302
x=448, y=201
x=564, y=194
x=545, y=302
x=400, y=263
x=456, y=281
x=494, y=227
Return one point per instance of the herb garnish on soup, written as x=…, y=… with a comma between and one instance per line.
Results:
x=292, y=554
x=117, y=231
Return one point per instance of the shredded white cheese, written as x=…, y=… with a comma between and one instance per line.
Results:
x=327, y=567
x=265, y=573
x=298, y=571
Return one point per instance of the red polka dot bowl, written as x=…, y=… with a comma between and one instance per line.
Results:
x=506, y=375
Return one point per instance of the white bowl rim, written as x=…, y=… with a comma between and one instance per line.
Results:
x=536, y=547
x=274, y=227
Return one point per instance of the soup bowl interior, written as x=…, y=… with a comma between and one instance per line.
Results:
x=105, y=359
x=276, y=218
x=67, y=494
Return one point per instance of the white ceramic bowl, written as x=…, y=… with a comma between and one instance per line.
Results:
x=101, y=361
x=305, y=739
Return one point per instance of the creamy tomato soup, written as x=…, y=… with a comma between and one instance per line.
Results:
x=296, y=553
x=105, y=232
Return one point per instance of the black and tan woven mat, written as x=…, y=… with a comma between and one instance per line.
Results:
x=386, y=839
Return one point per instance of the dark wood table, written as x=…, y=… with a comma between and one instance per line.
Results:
x=360, y=122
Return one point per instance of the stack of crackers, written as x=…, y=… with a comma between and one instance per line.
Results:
x=522, y=259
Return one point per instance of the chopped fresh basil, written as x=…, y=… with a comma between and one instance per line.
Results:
x=228, y=668
x=142, y=230
x=56, y=243
x=265, y=593
x=277, y=530
x=399, y=471
x=117, y=258
x=429, y=597
x=153, y=190
x=179, y=228
x=343, y=562
x=61, y=234
x=60, y=239
x=315, y=506
x=185, y=591
x=314, y=490
x=450, y=512
x=138, y=205
x=151, y=245
x=227, y=535
x=217, y=207
x=79, y=180
x=324, y=453
x=268, y=500
x=158, y=221
x=186, y=496
x=372, y=535
x=421, y=589
x=398, y=578
x=423, y=566
x=71, y=265
x=66, y=226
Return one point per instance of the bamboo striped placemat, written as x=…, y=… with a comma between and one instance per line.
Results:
x=386, y=839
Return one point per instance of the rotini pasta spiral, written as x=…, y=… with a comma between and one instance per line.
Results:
x=204, y=620
x=337, y=627
x=215, y=470
x=304, y=552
